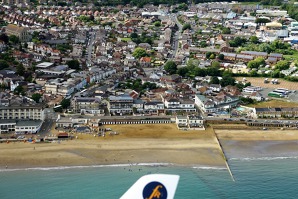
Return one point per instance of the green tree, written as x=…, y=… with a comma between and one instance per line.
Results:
x=253, y=73
x=14, y=39
x=262, y=20
x=20, y=69
x=282, y=65
x=227, y=80
x=65, y=103
x=182, y=71
x=19, y=90
x=3, y=64
x=221, y=56
x=208, y=54
x=212, y=56
x=256, y=63
x=214, y=80
x=73, y=64
x=215, y=64
x=186, y=26
x=157, y=24
x=139, y=52
x=36, y=97
x=4, y=38
x=134, y=35
x=225, y=30
x=254, y=39
x=171, y=67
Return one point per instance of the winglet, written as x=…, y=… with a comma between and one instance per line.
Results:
x=153, y=186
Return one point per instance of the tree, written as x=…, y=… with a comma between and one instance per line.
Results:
x=256, y=63
x=19, y=90
x=36, y=97
x=282, y=65
x=14, y=39
x=186, y=26
x=65, y=103
x=182, y=71
x=225, y=30
x=212, y=56
x=215, y=64
x=4, y=38
x=171, y=67
x=254, y=39
x=208, y=54
x=3, y=64
x=139, y=52
x=227, y=80
x=214, y=80
x=157, y=24
x=20, y=69
x=73, y=64
x=262, y=20
x=221, y=56
x=134, y=35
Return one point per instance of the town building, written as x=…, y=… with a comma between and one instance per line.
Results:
x=21, y=110
x=87, y=105
x=121, y=104
x=190, y=122
x=21, y=32
x=20, y=126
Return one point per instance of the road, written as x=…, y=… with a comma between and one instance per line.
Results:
x=90, y=48
x=177, y=35
x=46, y=127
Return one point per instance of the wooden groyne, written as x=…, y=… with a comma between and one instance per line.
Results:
x=223, y=155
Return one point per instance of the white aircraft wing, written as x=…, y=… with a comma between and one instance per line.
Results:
x=153, y=186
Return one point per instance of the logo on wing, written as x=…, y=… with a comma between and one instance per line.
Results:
x=155, y=190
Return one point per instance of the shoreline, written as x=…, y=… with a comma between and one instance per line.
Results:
x=203, y=167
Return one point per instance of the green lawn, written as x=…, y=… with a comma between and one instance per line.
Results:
x=125, y=39
x=293, y=57
x=250, y=3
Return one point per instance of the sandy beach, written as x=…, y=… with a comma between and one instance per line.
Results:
x=162, y=143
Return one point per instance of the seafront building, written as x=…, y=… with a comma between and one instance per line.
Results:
x=20, y=115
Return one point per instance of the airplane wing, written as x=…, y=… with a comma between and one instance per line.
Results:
x=153, y=186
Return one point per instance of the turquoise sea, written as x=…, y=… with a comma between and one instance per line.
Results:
x=256, y=177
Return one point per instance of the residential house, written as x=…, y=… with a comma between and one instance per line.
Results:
x=154, y=107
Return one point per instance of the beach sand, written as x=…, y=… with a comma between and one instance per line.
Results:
x=162, y=143
x=151, y=143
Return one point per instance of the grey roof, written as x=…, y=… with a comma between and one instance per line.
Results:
x=120, y=97
x=254, y=53
x=29, y=123
x=7, y=121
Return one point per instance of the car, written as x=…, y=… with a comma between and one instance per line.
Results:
x=21, y=137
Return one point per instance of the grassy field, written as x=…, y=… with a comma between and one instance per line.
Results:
x=274, y=103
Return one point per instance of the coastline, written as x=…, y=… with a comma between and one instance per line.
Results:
x=141, y=144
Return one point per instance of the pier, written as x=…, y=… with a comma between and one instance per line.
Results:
x=223, y=155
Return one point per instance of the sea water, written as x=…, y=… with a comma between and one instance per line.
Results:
x=255, y=177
